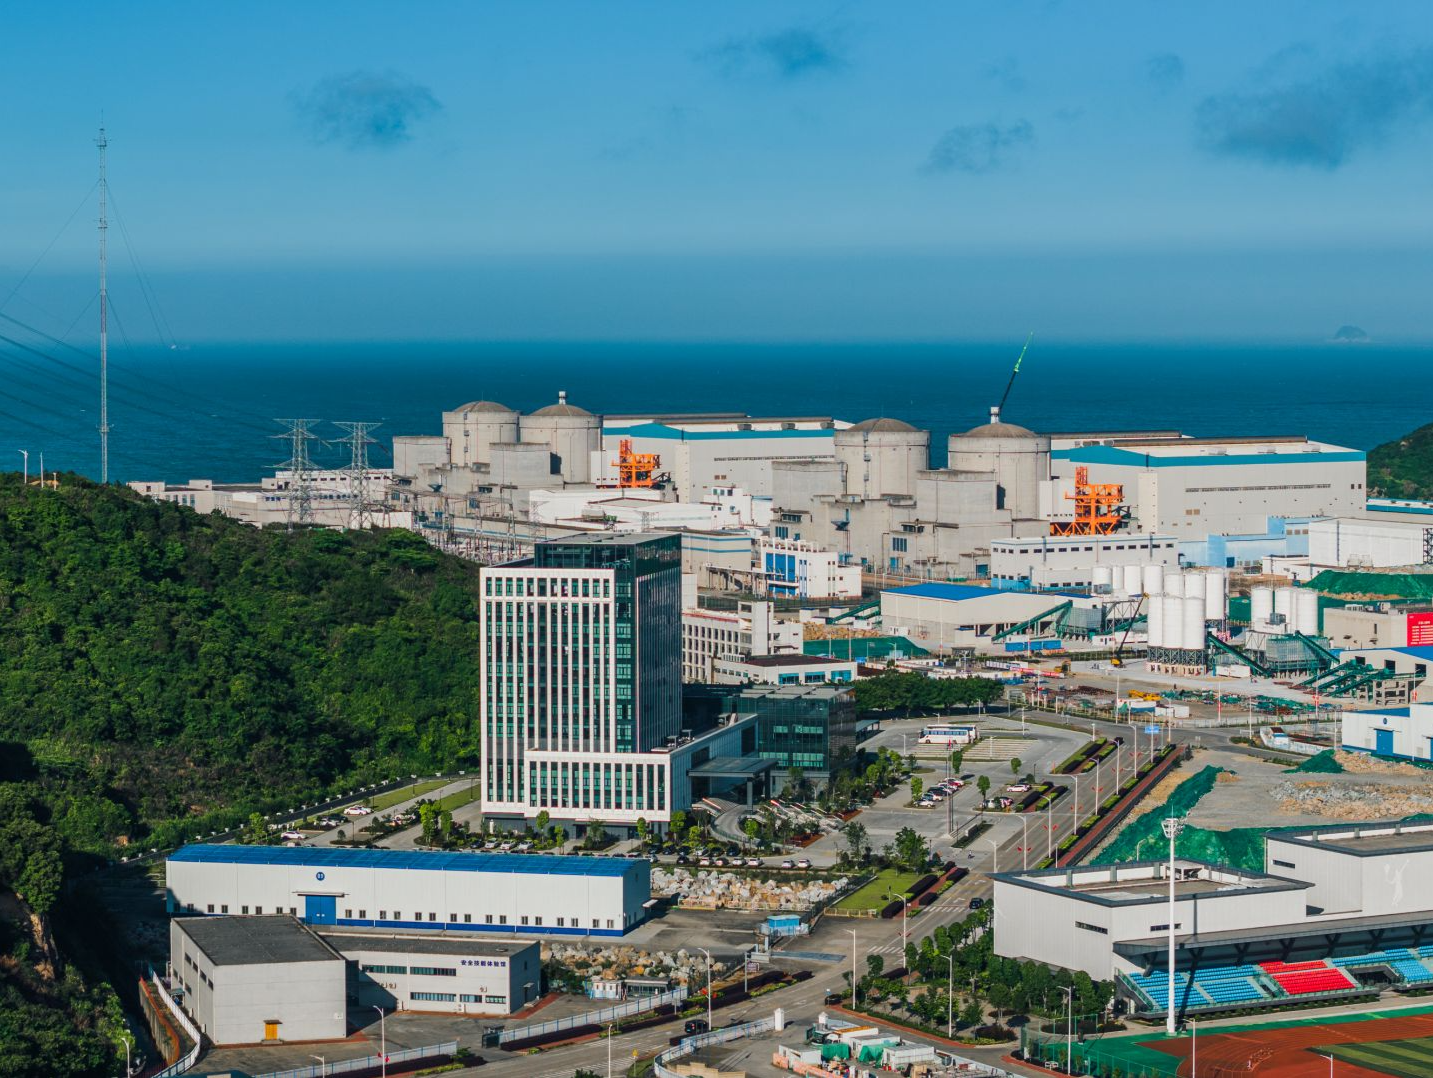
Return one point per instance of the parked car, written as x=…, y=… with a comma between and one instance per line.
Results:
x=705, y=862
x=358, y=810
x=297, y=836
x=1018, y=787
x=802, y=862
x=695, y=1025
x=490, y=844
x=788, y=863
x=330, y=821
x=523, y=847
x=505, y=847
x=977, y=903
x=753, y=862
x=683, y=859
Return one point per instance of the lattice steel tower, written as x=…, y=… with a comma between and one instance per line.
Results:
x=361, y=505
x=300, y=467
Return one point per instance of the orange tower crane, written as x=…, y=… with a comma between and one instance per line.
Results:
x=1097, y=507
x=635, y=469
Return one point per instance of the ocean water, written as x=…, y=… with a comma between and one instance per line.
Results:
x=208, y=410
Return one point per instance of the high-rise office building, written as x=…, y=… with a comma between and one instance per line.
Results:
x=580, y=701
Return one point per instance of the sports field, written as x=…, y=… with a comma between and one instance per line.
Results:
x=1405, y=1059
x=1387, y=1043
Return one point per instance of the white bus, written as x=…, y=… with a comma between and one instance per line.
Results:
x=947, y=735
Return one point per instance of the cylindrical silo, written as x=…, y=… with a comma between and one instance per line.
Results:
x=1133, y=579
x=1284, y=604
x=1261, y=605
x=1103, y=577
x=1154, y=620
x=1194, y=585
x=1214, y=598
x=1173, y=582
x=1192, y=623
x=1152, y=579
x=1171, y=632
x=1306, y=611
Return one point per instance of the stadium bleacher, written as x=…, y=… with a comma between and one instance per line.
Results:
x=1305, y=978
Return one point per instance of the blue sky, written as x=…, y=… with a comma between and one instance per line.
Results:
x=770, y=171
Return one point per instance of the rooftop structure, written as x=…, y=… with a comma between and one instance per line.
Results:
x=255, y=941
x=405, y=860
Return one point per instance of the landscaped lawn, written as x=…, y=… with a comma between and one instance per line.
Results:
x=467, y=795
x=393, y=797
x=872, y=896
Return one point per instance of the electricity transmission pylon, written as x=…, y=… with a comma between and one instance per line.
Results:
x=361, y=505
x=300, y=468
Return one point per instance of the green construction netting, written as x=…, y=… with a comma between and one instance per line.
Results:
x=1391, y=585
x=835, y=1050
x=871, y=1053
x=865, y=648
x=1325, y=763
x=1147, y=828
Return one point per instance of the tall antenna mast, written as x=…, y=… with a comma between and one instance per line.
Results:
x=300, y=466
x=103, y=144
x=360, y=512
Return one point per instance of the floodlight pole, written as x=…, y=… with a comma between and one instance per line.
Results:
x=1172, y=826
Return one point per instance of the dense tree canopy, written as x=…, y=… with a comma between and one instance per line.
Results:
x=1403, y=468
x=909, y=691
x=163, y=673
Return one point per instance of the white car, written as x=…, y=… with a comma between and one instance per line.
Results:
x=357, y=810
x=297, y=836
x=523, y=847
x=803, y=863
x=507, y=846
x=1018, y=788
x=788, y=864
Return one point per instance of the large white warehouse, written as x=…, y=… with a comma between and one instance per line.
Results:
x=517, y=893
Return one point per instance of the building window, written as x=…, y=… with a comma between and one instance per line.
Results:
x=433, y=997
x=467, y=918
x=452, y=918
x=537, y=921
x=401, y=971
x=1284, y=864
x=224, y=909
x=347, y=914
x=434, y=971
x=495, y=999
x=466, y=998
x=244, y=909
x=524, y=918
x=1165, y=928
x=432, y=916
x=383, y=915
x=488, y=918
x=363, y=915
x=1092, y=928
x=898, y=544
x=258, y=910
x=211, y=907
x=560, y=922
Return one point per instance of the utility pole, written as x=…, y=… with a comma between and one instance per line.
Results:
x=360, y=512
x=103, y=144
x=300, y=467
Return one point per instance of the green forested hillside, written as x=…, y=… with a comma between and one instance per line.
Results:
x=163, y=673
x=1403, y=468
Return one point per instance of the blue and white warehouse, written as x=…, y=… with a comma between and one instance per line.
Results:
x=468, y=892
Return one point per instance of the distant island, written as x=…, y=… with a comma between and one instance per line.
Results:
x=1403, y=468
x=1350, y=335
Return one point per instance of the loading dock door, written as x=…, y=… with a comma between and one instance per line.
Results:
x=320, y=909
x=1383, y=742
x=271, y=1031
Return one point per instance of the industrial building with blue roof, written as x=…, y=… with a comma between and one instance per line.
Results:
x=471, y=892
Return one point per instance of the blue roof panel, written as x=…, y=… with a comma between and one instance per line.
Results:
x=329, y=856
x=948, y=591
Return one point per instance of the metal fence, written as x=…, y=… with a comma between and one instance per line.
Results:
x=190, y=1057
x=689, y=1045
x=601, y=1016
x=348, y=1066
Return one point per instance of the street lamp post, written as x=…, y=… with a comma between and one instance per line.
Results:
x=1193, y=1049
x=1069, y=1030
x=950, y=996
x=1330, y=1059
x=611, y=1027
x=128, y=1066
x=382, y=1039
x=322, y=1066
x=26, y=454
x=709, y=985
x=1172, y=826
x=853, y=967
x=995, y=854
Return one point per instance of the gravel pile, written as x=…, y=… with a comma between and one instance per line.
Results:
x=1350, y=801
x=729, y=890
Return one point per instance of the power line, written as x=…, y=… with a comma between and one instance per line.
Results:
x=50, y=246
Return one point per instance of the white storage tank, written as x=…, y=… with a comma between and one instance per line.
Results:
x=1215, y=598
x=1306, y=611
x=1174, y=583
x=1152, y=579
x=1192, y=623
x=1284, y=604
x=1261, y=605
x=1154, y=620
x=1194, y=585
x=1172, y=633
x=1133, y=579
x=1103, y=577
